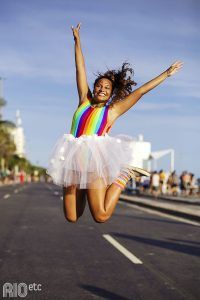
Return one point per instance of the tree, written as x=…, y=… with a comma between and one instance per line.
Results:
x=2, y=103
x=7, y=145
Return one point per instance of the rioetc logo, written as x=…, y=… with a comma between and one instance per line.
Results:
x=13, y=290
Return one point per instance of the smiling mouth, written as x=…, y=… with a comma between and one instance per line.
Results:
x=102, y=94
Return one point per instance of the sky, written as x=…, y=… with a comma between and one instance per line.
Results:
x=37, y=60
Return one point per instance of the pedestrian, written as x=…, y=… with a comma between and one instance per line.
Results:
x=198, y=186
x=155, y=184
x=88, y=161
x=175, y=184
x=182, y=188
x=22, y=176
x=162, y=180
x=185, y=183
x=193, y=184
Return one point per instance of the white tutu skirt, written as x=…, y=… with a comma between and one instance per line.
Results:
x=88, y=160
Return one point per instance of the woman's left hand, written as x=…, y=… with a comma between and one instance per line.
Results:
x=175, y=67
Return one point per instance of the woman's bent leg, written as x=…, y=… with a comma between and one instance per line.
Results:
x=102, y=201
x=74, y=201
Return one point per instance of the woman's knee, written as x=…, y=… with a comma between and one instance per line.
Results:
x=101, y=217
x=71, y=219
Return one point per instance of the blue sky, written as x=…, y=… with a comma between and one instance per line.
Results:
x=37, y=59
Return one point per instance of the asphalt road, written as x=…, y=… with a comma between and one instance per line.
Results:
x=78, y=261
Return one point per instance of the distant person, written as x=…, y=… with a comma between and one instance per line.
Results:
x=181, y=182
x=185, y=183
x=155, y=183
x=88, y=161
x=162, y=180
x=174, y=183
x=22, y=176
x=198, y=186
x=146, y=184
x=193, y=184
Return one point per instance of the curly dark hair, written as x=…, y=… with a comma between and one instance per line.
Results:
x=121, y=82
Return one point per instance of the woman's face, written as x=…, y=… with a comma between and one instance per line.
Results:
x=102, y=90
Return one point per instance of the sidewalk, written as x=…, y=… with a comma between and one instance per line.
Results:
x=179, y=207
x=178, y=199
x=10, y=183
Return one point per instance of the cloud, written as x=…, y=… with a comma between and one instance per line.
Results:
x=50, y=55
x=157, y=106
x=14, y=63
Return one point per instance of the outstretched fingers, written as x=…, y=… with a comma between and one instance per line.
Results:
x=76, y=31
x=175, y=67
x=78, y=26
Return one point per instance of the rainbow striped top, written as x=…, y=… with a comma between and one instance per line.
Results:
x=88, y=120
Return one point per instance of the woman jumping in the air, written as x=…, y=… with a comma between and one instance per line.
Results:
x=88, y=161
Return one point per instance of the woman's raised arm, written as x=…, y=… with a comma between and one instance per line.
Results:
x=81, y=76
x=122, y=106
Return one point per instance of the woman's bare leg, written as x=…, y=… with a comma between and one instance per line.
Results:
x=102, y=201
x=74, y=201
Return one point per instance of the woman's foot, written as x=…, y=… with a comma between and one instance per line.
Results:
x=127, y=173
x=139, y=172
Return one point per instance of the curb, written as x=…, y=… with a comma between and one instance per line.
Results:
x=9, y=184
x=161, y=207
x=174, y=200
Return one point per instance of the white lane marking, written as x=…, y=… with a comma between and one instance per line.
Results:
x=152, y=211
x=122, y=249
x=6, y=196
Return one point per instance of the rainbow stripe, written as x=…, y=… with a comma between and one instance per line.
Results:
x=88, y=120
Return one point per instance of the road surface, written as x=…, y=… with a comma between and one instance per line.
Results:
x=134, y=255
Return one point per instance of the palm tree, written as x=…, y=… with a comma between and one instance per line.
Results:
x=7, y=145
x=2, y=103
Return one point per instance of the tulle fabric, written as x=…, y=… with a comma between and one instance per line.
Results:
x=84, y=160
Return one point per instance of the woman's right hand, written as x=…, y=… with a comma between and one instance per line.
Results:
x=76, y=31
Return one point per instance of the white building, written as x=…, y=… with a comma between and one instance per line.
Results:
x=141, y=151
x=143, y=157
x=16, y=130
x=18, y=136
